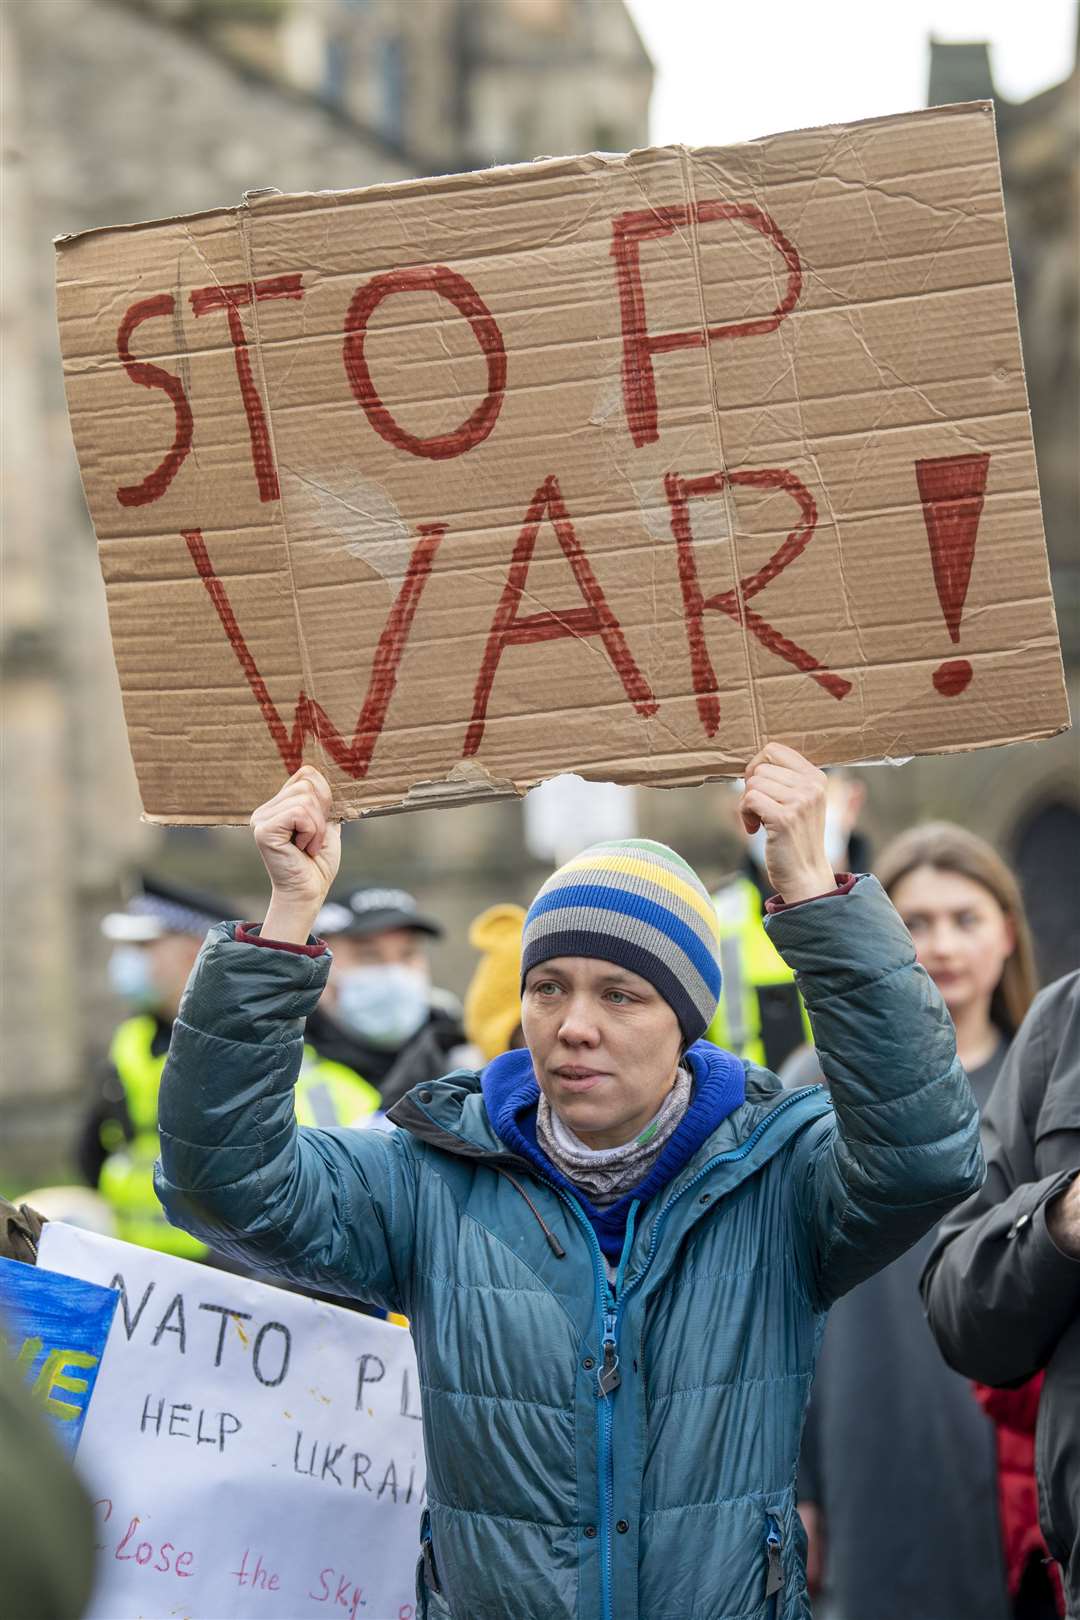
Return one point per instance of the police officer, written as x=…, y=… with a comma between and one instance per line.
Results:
x=380, y=1013
x=155, y=940
x=761, y=1016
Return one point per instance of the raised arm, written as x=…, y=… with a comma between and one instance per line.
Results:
x=332, y=1209
x=902, y=1144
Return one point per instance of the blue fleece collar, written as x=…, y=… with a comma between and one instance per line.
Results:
x=511, y=1095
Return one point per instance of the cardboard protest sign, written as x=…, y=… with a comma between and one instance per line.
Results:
x=56, y=1328
x=250, y=1452
x=613, y=465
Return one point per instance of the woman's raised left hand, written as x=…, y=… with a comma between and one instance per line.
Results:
x=785, y=794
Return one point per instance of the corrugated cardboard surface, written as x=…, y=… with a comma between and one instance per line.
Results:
x=856, y=284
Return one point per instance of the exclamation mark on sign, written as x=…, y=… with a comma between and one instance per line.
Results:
x=952, y=489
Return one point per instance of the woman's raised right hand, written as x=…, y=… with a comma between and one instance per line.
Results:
x=301, y=850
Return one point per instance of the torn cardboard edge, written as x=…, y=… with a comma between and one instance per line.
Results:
x=436, y=184
x=478, y=786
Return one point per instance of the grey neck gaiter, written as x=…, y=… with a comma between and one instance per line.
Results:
x=605, y=1174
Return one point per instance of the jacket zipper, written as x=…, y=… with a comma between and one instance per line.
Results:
x=730, y=1157
x=609, y=1310
x=774, y=1569
x=608, y=1381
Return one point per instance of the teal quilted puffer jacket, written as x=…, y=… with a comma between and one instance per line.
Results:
x=656, y=1483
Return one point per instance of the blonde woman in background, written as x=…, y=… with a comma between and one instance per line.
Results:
x=898, y=1478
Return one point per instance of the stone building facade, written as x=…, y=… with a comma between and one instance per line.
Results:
x=457, y=84
x=119, y=110
x=1026, y=799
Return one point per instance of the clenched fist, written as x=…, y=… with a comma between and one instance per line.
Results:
x=301, y=850
x=785, y=794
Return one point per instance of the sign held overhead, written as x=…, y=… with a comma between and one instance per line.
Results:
x=619, y=466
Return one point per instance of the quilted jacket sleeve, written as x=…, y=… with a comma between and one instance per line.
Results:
x=999, y=1293
x=330, y=1209
x=901, y=1145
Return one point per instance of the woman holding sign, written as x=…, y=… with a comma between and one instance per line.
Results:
x=616, y=1247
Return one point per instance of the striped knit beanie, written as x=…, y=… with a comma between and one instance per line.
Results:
x=639, y=905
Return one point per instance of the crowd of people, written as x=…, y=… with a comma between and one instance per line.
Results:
x=666, y=1134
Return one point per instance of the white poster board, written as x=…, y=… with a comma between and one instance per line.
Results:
x=251, y=1453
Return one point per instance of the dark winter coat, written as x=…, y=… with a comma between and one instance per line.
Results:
x=666, y=1491
x=908, y=1534
x=1003, y=1299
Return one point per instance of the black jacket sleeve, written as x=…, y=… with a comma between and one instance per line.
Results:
x=998, y=1291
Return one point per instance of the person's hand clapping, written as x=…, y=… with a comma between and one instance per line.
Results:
x=301, y=850
x=785, y=794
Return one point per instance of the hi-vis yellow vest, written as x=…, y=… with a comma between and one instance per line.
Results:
x=326, y=1094
x=331, y=1093
x=753, y=971
x=127, y=1176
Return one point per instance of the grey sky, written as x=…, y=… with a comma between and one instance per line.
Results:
x=729, y=72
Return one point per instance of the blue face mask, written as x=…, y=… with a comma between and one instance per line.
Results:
x=384, y=1004
x=130, y=978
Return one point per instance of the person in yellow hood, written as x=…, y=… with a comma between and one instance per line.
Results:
x=493, y=999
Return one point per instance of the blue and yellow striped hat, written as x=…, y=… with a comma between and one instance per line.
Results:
x=638, y=904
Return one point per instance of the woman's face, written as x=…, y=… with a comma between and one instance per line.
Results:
x=962, y=936
x=605, y=1046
